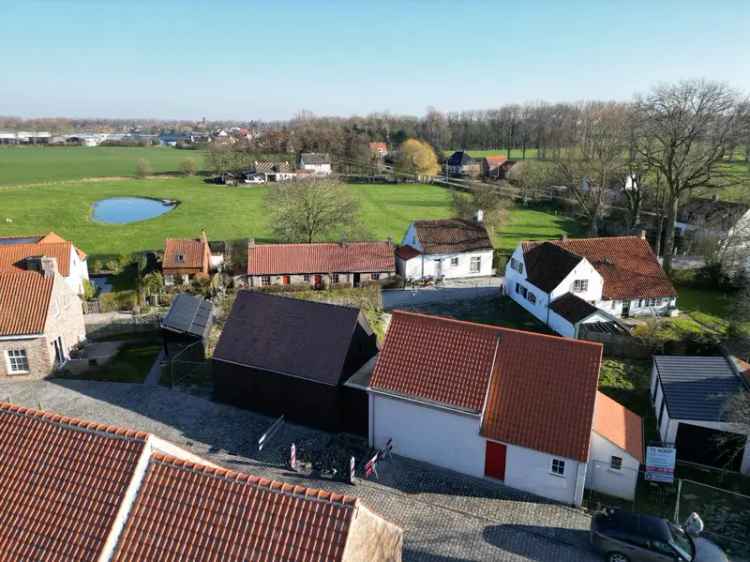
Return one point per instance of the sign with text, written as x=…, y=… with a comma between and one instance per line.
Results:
x=660, y=462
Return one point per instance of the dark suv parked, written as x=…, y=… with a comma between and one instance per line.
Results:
x=632, y=537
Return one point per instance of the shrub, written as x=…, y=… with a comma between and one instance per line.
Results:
x=188, y=167
x=89, y=291
x=143, y=169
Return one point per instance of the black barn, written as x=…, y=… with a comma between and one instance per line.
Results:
x=280, y=355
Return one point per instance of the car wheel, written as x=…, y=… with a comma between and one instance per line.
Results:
x=617, y=557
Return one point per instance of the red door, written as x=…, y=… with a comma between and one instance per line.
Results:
x=317, y=281
x=494, y=460
x=285, y=280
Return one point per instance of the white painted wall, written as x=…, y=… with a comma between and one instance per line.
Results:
x=431, y=434
x=79, y=270
x=602, y=477
x=409, y=269
x=531, y=471
x=451, y=440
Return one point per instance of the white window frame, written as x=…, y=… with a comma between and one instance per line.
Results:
x=615, y=463
x=335, y=278
x=265, y=280
x=476, y=261
x=13, y=361
x=375, y=276
x=454, y=261
x=557, y=467
x=179, y=258
x=580, y=285
x=531, y=297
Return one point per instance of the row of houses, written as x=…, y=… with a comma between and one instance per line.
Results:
x=462, y=164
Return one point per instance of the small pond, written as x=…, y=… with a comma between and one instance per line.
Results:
x=124, y=210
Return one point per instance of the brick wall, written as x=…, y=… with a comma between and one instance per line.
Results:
x=326, y=279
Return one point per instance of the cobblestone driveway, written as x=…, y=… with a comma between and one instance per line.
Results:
x=446, y=517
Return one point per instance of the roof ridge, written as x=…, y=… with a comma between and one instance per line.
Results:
x=274, y=486
x=307, y=244
x=282, y=296
x=496, y=328
x=74, y=423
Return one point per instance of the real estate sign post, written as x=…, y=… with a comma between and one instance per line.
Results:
x=660, y=462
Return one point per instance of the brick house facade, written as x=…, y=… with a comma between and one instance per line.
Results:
x=41, y=320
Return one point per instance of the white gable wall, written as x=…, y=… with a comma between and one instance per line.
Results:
x=567, y=329
x=78, y=271
x=450, y=439
x=602, y=477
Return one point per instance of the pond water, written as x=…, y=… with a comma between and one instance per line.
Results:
x=124, y=210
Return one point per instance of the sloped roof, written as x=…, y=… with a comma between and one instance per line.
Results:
x=495, y=161
x=247, y=518
x=407, y=252
x=528, y=379
x=626, y=263
x=24, y=302
x=290, y=336
x=193, y=252
x=572, y=308
x=189, y=314
x=535, y=383
x=696, y=388
x=315, y=158
x=62, y=481
x=620, y=426
x=460, y=158
x=548, y=264
x=445, y=236
x=14, y=250
x=436, y=359
x=348, y=257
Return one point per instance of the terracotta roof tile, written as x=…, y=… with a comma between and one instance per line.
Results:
x=12, y=256
x=627, y=264
x=617, y=424
x=62, y=481
x=180, y=505
x=407, y=252
x=192, y=252
x=24, y=302
x=447, y=236
x=437, y=360
x=276, y=259
x=495, y=161
x=534, y=378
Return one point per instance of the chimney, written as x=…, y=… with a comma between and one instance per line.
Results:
x=49, y=266
x=564, y=237
x=643, y=234
x=251, y=242
x=479, y=215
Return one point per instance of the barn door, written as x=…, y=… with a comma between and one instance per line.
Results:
x=494, y=460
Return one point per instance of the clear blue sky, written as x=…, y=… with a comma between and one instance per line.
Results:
x=248, y=59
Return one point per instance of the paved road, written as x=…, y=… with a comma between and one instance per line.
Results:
x=450, y=291
x=446, y=517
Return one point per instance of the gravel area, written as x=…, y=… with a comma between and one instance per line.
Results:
x=446, y=516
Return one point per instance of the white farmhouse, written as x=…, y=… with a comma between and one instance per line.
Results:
x=26, y=252
x=495, y=403
x=690, y=396
x=602, y=280
x=448, y=249
x=318, y=164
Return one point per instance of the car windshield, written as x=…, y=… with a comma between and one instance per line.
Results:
x=682, y=542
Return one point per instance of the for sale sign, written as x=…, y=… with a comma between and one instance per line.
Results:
x=660, y=462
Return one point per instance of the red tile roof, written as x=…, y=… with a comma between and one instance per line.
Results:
x=277, y=259
x=494, y=161
x=12, y=256
x=407, y=252
x=24, y=302
x=193, y=253
x=528, y=393
x=191, y=513
x=627, y=264
x=617, y=424
x=62, y=481
x=542, y=393
x=436, y=360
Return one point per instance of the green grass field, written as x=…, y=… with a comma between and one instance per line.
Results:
x=230, y=213
x=36, y=164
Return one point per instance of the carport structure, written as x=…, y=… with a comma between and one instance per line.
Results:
x=690, y=395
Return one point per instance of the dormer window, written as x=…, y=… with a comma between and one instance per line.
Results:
x=180, y=258
x=516, y=265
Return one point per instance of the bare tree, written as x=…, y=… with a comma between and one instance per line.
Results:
x=685, y=130
x=313, y=210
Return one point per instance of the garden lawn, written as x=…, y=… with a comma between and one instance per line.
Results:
x=534, y=223
x=20, y=165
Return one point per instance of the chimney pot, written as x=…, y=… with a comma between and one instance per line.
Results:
x=643, y=234
x=564, y=237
